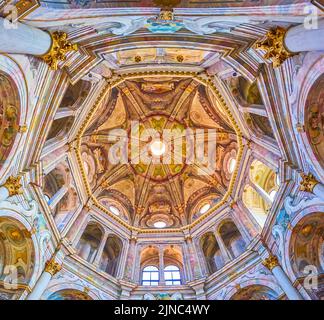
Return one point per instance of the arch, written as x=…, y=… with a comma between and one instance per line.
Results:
x=212, y=253
x=311, y=70
x=149, y=256
x=75, y=94
x=89, y=242
x=69, y=294
x=306, y=251
x=263, y=176
x=172, y=256
x=66, y=206
x=57, y=285
x=18, y=257
x=56, y=179
x=60, y=128
x=16, y=79
x=259, y=280
x=111, y=255
x=59, y=193
x=260, y=125
x=255, y=292
x=247, y=95
x=314, y=127
x=260, y=192
x=9, y=115
x=232, y=238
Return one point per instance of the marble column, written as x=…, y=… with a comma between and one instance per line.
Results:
x=273, y=265
x=57, y=197
x=129, y=265
x=194, y=259
x=244, y=106
x=51, y=268
x=225, y=254
x=100, y=250
x=281, y=44
x=24, y=39
x=311, y=185
x=10, y=188
x=299, y=38
x=161, y=267
x=255, y=109
x=85, y=251
x=19, y=38
x=82, y=228
x=264, y=155
x=246, y=219
x=263, y=194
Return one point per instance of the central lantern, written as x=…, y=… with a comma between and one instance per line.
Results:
x=158, y=148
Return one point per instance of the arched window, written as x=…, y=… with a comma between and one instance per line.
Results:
x=150, y=276
x=172, y=275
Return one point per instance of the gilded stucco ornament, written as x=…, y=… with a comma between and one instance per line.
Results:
x=308, y=182
x=166, y=3
x=271, y=262
x=13, y=185
x=52, y=267
x=274, y=46
x=59, y=48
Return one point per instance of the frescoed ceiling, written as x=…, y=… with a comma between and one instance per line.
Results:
x=160, y=56
x=159, y=3
x=152, y=191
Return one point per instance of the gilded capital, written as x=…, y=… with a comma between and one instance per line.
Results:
x=13, y=186
x=274, y=46
x=59, y=48
x=271, y=262
x=52, y=267
x=308, y=182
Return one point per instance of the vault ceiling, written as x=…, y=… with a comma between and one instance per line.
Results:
x=168, y=188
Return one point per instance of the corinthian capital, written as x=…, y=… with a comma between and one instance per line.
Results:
x=52, y=267
x=271, y=262
x=59, y=48
x=13, y=186
x=274, y=46
x=308, y=182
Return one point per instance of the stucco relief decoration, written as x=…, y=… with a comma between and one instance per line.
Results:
x=314, y=118
x=9, y=115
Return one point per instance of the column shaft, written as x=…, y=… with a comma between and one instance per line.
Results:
x=85, y=251
x=4, y=193
x=285, y=284
x=299, y=38
x=319, y=191
x=272, y=264
x=225, y=254
x=23, y=39
x=40, y=286
x=58, y=196
x=100, y=249
x=51, y=268
x=255, y=109
x=261, y=192
x=161, y=268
